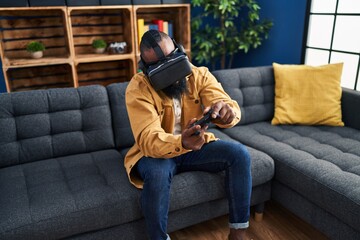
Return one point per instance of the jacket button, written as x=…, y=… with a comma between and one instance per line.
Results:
x=177, y=149
x=196, y=101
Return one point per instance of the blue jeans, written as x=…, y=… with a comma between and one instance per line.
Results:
x=213, y=157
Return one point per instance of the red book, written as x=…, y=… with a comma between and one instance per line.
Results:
x=160, y=23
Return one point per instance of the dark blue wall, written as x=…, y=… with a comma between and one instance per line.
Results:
x=284, y=44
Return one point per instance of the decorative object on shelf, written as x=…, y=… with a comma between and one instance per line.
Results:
x=117, y=47
x=236, y=27
x=35, y=48
x=99, y=45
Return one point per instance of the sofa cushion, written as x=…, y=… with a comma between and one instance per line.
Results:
x=321, y=163
x=262, y=165
x=308, y=95
x=42, y=124
x=122, y=130
x=60, y=197
x=253, y=89
x=65, y=196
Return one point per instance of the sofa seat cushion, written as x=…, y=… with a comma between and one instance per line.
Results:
x=60, y=197
x=321, y=163
x=262, y=165
x=196, y=187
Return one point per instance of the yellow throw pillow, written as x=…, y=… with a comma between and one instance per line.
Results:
x=308, y=95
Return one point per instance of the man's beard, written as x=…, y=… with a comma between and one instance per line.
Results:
x=177, y=89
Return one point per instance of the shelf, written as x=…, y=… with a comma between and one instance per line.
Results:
x=22, y=62
x=101, y=57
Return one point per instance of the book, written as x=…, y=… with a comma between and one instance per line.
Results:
x=170, y=30
x=146, y=28
x=153, y=26
x=140, y=28
x=159, y=23
x=166, y=27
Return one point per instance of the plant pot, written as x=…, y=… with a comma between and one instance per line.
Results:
x=38, y=54
x=99, y=50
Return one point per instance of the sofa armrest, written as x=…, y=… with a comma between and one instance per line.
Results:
x=350, y=102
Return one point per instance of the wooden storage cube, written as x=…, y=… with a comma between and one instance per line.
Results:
x=41, y=77
x=107, y=23
x=19, y=27
x=105, y=73
x=177, y=14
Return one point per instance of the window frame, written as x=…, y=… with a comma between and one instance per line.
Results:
x=330, y=49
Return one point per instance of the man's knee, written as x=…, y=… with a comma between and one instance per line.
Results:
x=159, y=171
x=239, y=154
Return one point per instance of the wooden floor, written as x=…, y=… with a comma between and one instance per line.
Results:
x=277, y=224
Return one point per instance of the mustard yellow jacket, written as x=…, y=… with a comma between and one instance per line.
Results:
x=152, y=117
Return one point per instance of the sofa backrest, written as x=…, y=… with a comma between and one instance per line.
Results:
x=253, y=89
x=43, y=124
x=122, y=130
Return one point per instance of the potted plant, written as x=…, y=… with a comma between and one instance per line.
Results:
x=235, y=26
x=99, y=45
x=35, y=48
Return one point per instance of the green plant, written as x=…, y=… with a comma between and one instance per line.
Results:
x=99, y=43
x=237, y=28
x=35, y=46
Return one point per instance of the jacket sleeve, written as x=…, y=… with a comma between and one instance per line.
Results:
x=145, y=121
x=211, y=92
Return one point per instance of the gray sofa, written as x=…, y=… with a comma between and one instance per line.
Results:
x=62, y=174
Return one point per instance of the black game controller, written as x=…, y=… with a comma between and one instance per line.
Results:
x=205, y=120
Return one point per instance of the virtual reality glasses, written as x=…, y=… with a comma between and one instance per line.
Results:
x=169, y=69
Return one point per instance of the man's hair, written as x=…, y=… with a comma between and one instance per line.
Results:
x=145, y=45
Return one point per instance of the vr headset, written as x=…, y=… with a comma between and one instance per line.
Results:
x=168, y=69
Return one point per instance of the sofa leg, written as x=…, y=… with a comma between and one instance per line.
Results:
x=259, y=212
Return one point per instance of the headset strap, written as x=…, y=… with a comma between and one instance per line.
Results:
x=150, y=38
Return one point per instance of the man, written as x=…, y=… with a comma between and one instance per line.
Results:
x=161, y=112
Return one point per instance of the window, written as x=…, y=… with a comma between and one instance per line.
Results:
x=333, y=35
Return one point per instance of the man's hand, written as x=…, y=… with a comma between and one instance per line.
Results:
x=191, y=141
x=222, y=113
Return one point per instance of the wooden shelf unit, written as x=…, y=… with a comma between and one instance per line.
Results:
x=68, y=32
